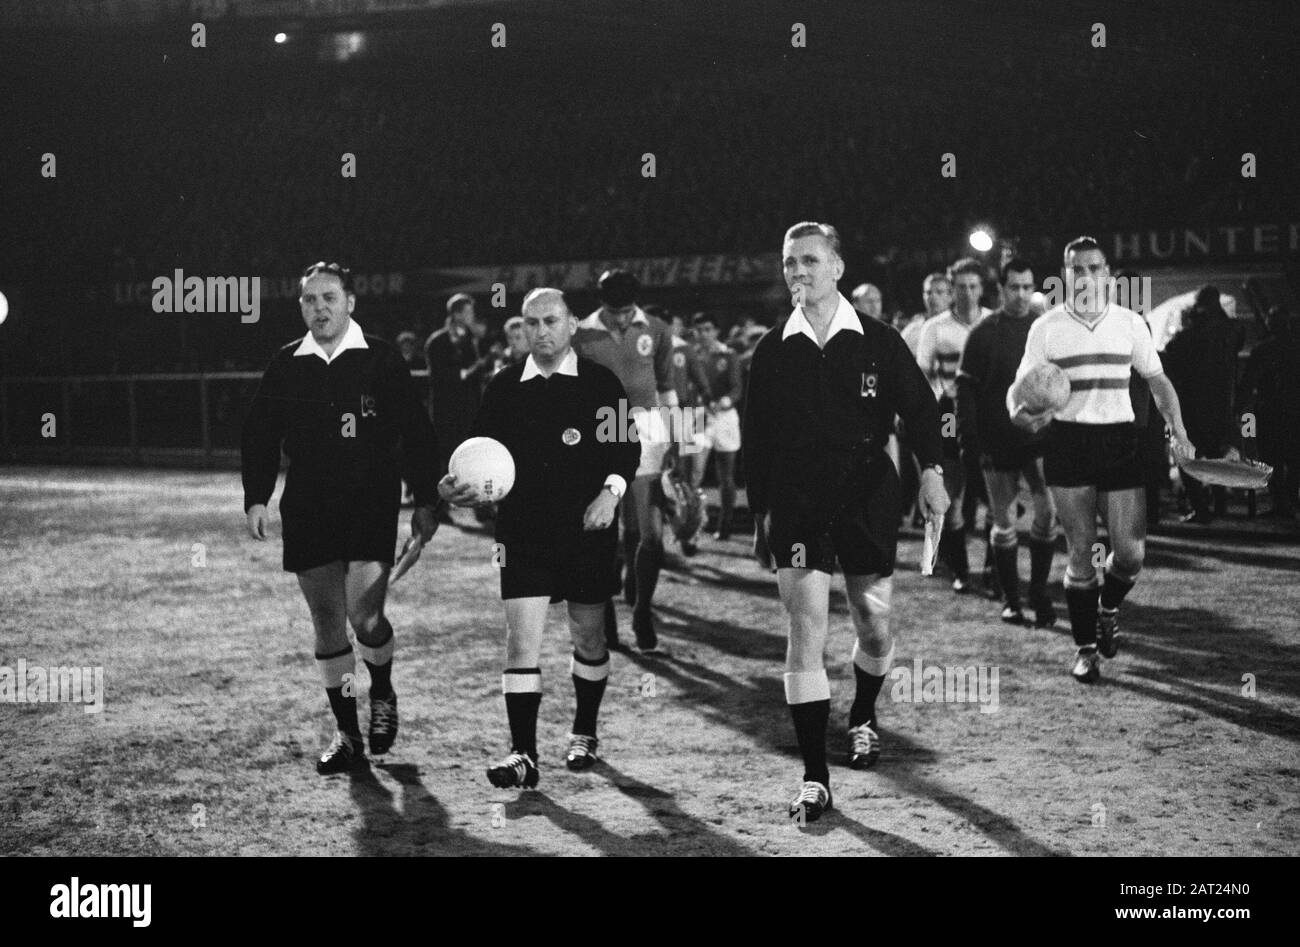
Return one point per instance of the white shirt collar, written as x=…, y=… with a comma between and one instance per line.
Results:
x=568, y=366
x=846, y=317
x=594, y=321
x=353, y=338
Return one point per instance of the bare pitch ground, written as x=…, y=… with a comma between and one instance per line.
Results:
x=213, y=709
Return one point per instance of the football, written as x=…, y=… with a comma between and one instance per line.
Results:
x=1045, y=388
x=487, y=464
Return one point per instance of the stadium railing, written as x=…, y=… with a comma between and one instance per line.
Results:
x=155, y=420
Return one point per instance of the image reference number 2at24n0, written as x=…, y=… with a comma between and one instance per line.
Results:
x=1191, y=887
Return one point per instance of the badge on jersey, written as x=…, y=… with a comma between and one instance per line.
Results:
x=644, y=346
x=721, y=365
x=869, y=382
x=368, y=406
x=679, y=359
x=571, y=436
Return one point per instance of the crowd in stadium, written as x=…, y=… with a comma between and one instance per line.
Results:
x=461, y=171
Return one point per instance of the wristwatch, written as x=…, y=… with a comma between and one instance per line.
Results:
x=935, y=467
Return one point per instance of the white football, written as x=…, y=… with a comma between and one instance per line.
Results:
x=485, y=463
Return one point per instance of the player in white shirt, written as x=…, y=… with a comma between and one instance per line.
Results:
x=938, y=352
x=1092, y=460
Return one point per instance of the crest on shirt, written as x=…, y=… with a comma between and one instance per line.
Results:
x=644, y=346
x=869, y=382
x=571, y=436
x=679, y=358
x=721, y=365
x=368, y=406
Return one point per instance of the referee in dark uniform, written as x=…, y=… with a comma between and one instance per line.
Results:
x=556, y=531
x=343, y=408
x=824, y=389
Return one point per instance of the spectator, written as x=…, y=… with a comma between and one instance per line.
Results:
x=1272, y=387
x=1201, y=361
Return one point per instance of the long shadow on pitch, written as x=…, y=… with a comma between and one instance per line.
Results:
x=1189, y=559
x=758, y=710
x=421, y=827
x=886, y=843
x=660, y=804
x=1201, y=659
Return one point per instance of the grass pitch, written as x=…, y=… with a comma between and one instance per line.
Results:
x=213, y=711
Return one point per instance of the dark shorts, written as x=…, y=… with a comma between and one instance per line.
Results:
x=1009, y=458
x=1106, y=456
x=584, y=573
x=318, y=533
x=859, y=528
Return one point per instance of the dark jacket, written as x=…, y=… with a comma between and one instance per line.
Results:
x=352, y=430
x=814, y=417
x=556, y=476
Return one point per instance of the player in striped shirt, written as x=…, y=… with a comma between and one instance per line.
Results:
x=1092, y=459
x=938, y=352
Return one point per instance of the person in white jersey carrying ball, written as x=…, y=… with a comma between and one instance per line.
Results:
x=1091, y=459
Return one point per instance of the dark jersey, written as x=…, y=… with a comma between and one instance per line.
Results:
x=722, y=368
x=813, y=415
x=352, y=430
x=564, y=435
x=989, y=361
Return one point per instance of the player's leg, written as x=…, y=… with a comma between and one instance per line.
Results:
x=1126, y=521
x=805, y=593
x=521, y=684
x=1077, y=509
x=952, y=540
x=631, y=540
x=649, y=558
x=590, y=670
x=367, y=588
x=323, y=588
x=873, y=655
x=1042, y=543
x=726, y=442
x=725, y=465
x=1003, y=488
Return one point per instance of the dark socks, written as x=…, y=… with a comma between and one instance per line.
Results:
x=1008, y=569
x=1082, y=604
x=952, y=549
x=345, y=711
x=381, y=675
x=521, y=711
x=649, y=559
x=631, y=541
x=1040, y=566
x=1114, y=589
x=588, y=694
x=727, y=497
x=810, y=721
x=864, y=700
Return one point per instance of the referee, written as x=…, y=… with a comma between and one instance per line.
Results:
x=824, y=389
x=340, y=404
x=556, y=531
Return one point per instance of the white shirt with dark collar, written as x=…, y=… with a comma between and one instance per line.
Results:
x=353, y=338
x=845, y=318
x=568, y=366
